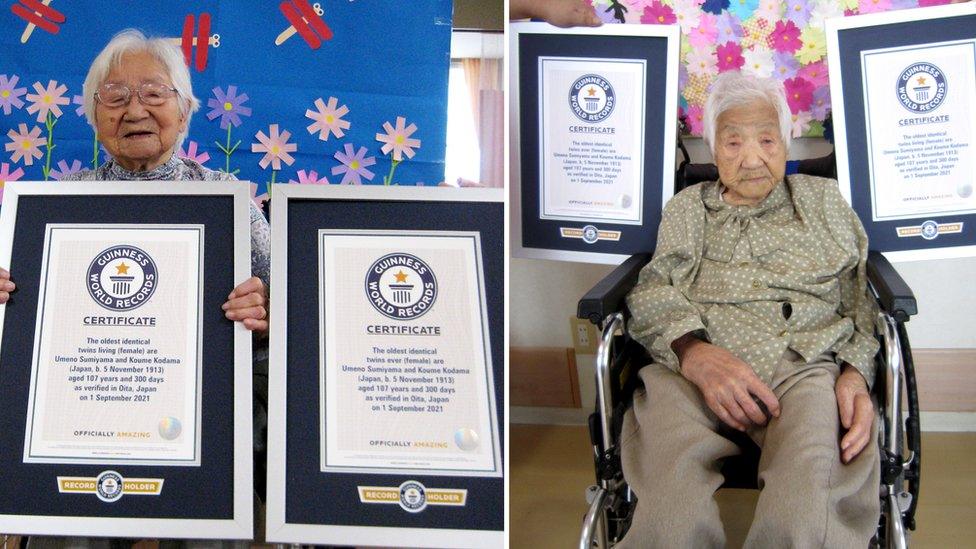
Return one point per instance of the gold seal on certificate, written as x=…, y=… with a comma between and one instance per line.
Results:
x=591, y=125
x=115, y=375
x=405, y=369
x=921, y=129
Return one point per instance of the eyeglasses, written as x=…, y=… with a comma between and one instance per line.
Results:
x=118, y=95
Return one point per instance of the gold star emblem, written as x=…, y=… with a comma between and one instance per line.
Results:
x=591, y=91
x=122, y=268
x=401, y=276
x=921, y=80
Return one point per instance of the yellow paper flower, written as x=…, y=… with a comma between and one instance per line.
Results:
x=848, y=4
x=755, y=32
x=696, y=90
x=814, y=45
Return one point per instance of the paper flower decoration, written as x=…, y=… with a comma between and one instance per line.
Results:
x=705, y=33
x=785, y=65
x=229, y=106
x=758, y=62
x=7, y=175
x=814, y=45
x=658, y=14
x=275, y=147
x=785, y=37
x=192, y=153
x=258, y=199
x=353, y=165
x=25, y=145
x=729, y=57
x=801, y=123
x=80, y=101
x=64, y=170
x=328, y=119
x=799, y=94
x=398, y=139
x=10, y=93
x=310, y=178
x=47, y=100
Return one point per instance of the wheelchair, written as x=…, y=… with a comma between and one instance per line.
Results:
x=612, y=503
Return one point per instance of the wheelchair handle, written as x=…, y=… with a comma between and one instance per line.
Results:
x=610, y=326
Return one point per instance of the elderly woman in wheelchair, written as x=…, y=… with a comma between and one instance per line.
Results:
x=758, y=319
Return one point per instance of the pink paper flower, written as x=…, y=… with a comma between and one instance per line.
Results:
x=398, y=139
x=729, y=57
x=815, y=73
x=275, y=148
x=801, y=123
x=658, y=14
x=696, y=118
x=47, y=100
x=785, y=37
x=310, y=178
x=10, y=93
x=7, y=175
x=80, y=101
x=63, y=170
x=192, y=153
x=328, y=119
x=873, y=6
x=354, y=164
x=705, y=33
x=24, y=144
x=799, y=94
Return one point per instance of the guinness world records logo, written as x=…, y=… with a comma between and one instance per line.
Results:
x=122, y=278
x=108, y=486
x=921, y=87
x=413, y=496
x=591, y=98
x=401, y=286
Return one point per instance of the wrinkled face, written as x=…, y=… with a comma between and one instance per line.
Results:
x=138, y=136
x=749, y=152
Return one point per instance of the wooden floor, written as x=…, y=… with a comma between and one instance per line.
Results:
x=551, y=468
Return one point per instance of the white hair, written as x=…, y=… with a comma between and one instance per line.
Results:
x=133, y=41
x=734, y=89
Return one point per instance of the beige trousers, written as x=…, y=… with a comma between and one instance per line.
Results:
x=672, y=447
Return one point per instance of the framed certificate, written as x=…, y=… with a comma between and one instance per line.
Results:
x=594, y=121
x=115, y=414
x=903, y=85
x=386, y=370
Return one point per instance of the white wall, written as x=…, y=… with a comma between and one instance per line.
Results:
x=544, y=293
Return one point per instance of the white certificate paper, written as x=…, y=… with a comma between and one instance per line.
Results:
x=115, y=376
x=591, y=127
x=921, y=129
x=405, y=368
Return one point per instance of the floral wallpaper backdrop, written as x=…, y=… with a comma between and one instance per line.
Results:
x=783, y=39
x=350, y=92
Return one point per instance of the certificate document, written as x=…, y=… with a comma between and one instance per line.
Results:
x=591, y=126
x=405, y=370
x=921, y=129
x=115, y=376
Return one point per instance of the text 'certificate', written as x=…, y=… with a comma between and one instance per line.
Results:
x=921, y=129
x=116, y=369
x=591, y=125
x=405, y=370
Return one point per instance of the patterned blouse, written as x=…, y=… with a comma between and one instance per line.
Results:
x=787, y=273
x=182, y=169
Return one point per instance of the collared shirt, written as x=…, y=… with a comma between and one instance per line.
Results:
x=787, y=273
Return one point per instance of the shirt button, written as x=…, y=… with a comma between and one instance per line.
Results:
x=756, y=284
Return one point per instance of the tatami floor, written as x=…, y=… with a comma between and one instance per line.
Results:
x=551, y=468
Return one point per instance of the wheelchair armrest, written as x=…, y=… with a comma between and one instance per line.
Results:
x=607, y=296
x=894, y=295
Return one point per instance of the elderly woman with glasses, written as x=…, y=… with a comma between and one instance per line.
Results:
x=139, y=100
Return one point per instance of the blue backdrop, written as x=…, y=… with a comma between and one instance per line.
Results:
x=385, y=60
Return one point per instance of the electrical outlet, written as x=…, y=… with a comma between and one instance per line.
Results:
x=584, y=336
